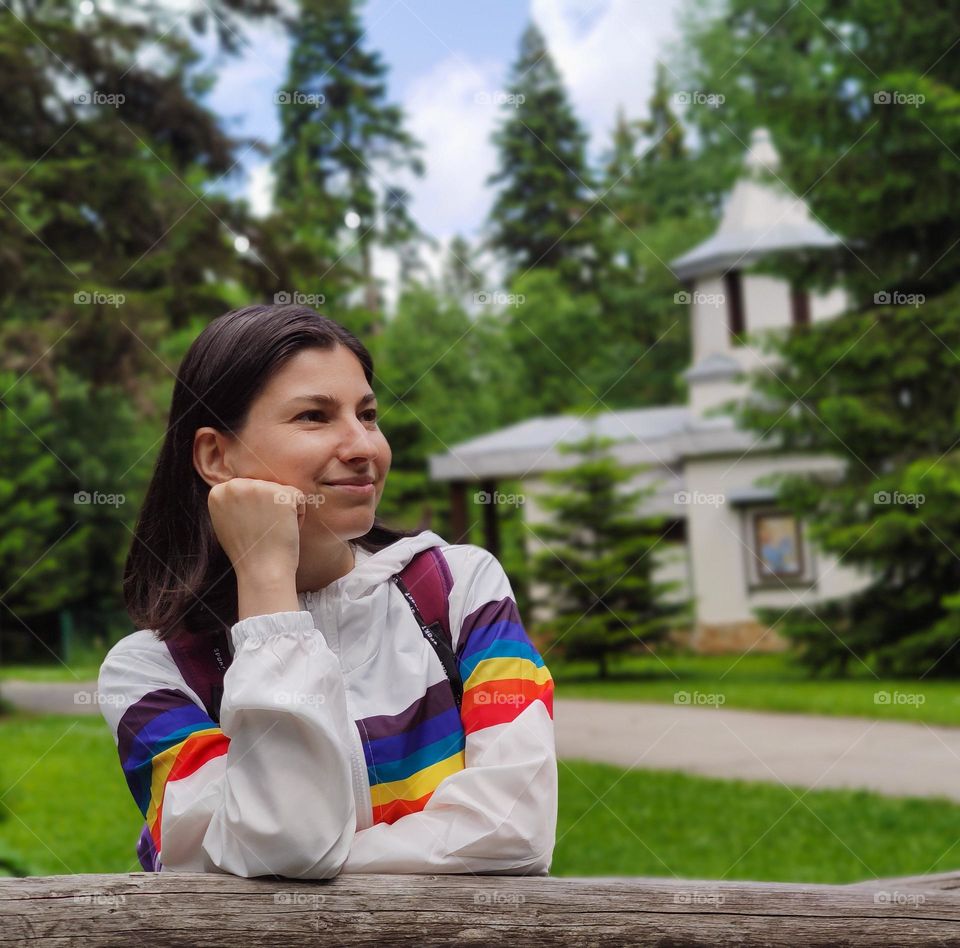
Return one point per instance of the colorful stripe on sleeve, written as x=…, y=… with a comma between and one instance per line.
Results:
x=164, y=737
x=502, y=671
x=409, y=753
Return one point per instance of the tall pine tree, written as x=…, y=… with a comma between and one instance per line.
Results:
x=542, y=216
x=340, y=139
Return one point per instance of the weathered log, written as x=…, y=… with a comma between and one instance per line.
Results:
x=198, y=910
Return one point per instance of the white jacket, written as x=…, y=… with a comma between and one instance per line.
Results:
x=340, y=748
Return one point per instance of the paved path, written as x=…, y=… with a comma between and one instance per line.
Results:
x=893, y=758
x=802, y=750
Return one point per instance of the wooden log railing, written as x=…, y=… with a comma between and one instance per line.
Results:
x=199, y=910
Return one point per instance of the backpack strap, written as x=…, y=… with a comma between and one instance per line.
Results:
x=426, y=582
x=203, y=660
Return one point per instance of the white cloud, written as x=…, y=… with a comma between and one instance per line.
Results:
x=449, y=111
x=606, y=54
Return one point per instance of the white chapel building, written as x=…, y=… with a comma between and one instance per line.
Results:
x=727, y=543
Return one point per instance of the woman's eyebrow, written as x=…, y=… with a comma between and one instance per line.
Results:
x=331, y=401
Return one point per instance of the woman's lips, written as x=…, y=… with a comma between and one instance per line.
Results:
x=361, y=490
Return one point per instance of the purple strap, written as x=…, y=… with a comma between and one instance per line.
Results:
x=429, y=580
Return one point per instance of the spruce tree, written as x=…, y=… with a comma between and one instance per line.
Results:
x=599, y=563
x=340, y=139
x=543, y=213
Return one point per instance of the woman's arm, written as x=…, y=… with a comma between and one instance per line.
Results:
x=269, y=791
x=498, y=814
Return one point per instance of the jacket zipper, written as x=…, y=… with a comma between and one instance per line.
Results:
x=358, y=767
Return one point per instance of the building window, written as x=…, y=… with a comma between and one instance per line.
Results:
x=736, y=320
x=776, y=555
x=799, y=307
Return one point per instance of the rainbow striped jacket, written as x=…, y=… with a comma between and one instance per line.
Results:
x=339, y=746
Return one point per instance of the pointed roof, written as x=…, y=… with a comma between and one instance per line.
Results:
x=760, y=216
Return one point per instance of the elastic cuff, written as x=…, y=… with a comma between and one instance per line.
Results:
x=255, y=630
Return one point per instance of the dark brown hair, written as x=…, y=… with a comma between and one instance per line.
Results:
x=177, y=577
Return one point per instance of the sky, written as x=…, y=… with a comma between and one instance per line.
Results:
x=447, y=60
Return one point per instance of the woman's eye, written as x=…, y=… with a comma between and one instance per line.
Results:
x=370, y=415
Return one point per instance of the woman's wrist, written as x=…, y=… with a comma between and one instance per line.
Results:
x=263, y=593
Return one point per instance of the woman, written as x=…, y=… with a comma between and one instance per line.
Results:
x=335, y=738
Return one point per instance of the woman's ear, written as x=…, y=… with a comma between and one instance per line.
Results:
x=209, y=456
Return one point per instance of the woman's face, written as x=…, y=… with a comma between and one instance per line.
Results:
x=293, y=438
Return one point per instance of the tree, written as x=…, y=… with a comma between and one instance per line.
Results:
x=599, y=564
x=541, y=214
x=862, y=105
x=888, y=407
x=339, y=137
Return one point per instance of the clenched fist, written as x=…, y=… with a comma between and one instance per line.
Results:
x=258, y=525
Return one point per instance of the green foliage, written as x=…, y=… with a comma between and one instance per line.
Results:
x=339, y=137
x=599, y=560
x=880, y=389
x=541, y=215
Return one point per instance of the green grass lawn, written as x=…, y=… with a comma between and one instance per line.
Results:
x=70, y=811
x=761, y=682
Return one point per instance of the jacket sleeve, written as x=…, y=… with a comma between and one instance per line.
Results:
x=269, y=791
x=499, y=813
